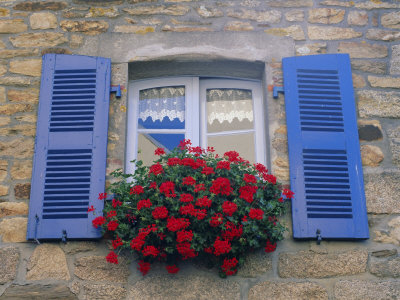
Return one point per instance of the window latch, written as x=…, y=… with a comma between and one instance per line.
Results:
x=117, y=90
x=64, y=236
x=276, y=90
x=319, y=237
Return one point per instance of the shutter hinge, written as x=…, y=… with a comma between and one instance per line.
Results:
x=276, y=90
x=319, y=237
x=64, y=236
x=36, y=229
x=117, y=90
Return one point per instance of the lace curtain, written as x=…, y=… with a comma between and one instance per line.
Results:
x=158, y=103
x=228, y=104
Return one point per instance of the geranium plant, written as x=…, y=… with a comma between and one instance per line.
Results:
x=191, y=203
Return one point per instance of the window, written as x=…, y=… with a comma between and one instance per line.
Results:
x=226, y=114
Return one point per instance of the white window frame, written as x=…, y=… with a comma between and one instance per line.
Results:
x=195, y=112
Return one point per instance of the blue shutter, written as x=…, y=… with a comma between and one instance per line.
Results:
x=324, y=153
x=70, y=148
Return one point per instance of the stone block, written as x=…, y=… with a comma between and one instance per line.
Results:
x=95, y=12
x=274, y=290
x=18, y=53
x=391, y=20
x=280, y=144
x=38, y=291
x=30, y=118
x=13, y=209
x=369, y=130
x=395, y=60
x=43, y=20
x=371, y=155
x=384, y=82
x=332, y=33
x=369, y=5
x=378, y=104
x=295, y=31
x=366, y=290
x=75, y=41
x=4, y=12
x=18, y=148
x=256, y=264
x=394, y=141
x=55, y=51
x=17, y=81
x=325, y=15
x=75, y=12
x=209, y=12
x=3, y=70
x=238, y=26
x=3, y=170
x=4, y=190
x=382, y=35
x=357, y=18
x=291, y=3
x=78, y=247
x=269, y=16
x=22, y=190
x=13, y=230
x=172, y=10
x=12, y=26
x=86, y=27
x=184, y=287
x=338, y=3
x=308, y=264
x=25, y=95
x=296, y=15
x=138, y=29
x=99, y=2
x=21, y=170
x=358, y=81
x=376, y=67
x=384, y=253
x=385, y=267
x=98, y=269
x=10, y=109
x=379, y=191
x=185, y=28
x=363, y=50
x=30, y=67
x=390, y=236
x=9, y=261
x=104, y=291
x=40, y=5
x=40, y=39
x=4, y=120
x=309, y=49
x=47, y=262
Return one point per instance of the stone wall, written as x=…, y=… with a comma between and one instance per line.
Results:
x=367, y=30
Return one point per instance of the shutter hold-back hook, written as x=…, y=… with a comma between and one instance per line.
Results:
x=319, y=237
x=64, y=236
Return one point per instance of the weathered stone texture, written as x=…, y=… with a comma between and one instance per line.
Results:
x=138, y=29
x=30, y=67
x=280, y=144
x=47, y=262
x=76, y=41
x=256, y=264
x=296, y=15
x=10, y=109
x=18, y=148
x=9, y=260
x=273, y=290
x=31, y=118
x=378, y=104
x=363, y=50
x=331, y=33
x=384, y=82
x=75, y=12
x=325, y=15
x=22, y=190
x=366, y=290
x=238, y=26
x=3, y=171
x=270, y=16
x=78, y=247
x=98, y=269
x=294, y=31
x=209, y=12
x=40, y=39
x=95, y=12
x=44, y=20
x=309, y=49
x=369, y=130
x=166, y=287
x=376, y=67
x=104, y=291
x=385, y=267
x=391, y=20
x=18, y=81
x=174, y=10
x=291, y=3
x=40, y=5
x=371, y=155
x=13, y=230
x=394, y=140
x=376, y=5
x=383, y=35
x=13, y=26
x=338, y=3
x=21, y=170
x=13, y=209
x=384, y=253
x=357, y=18
x=358, y=81
x=102, y=2
x=185, y=28
x=307, y=264
x=38, y=291
x=18, y=53
x=86, y=27
x=26, y=95
x=379, y=191
x=4, y=121
x=395, y=61
x=4, y=12
x=391, y=236
x=4, y=190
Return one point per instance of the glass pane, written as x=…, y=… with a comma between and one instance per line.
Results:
x=162, y=108
x=148, y=143
x=229, y=109
x=242, y=143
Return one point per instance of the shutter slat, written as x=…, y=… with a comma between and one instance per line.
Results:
x=70, y=150
x=324, y=155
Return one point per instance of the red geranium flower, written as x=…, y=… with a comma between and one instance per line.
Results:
x=112, y=257
x=98, y=221
x=199, y=187
x=116, y=203
x=150, y=250
x=111, y=213
x=216, y=220
x=159, y=151
x=175, y=224
x=172, y=269
x=229, y=208
x=173, y=161
x=208, y=171
x=250, y=178
x=156, y=169
x=186, y=198
x=160, y=212
x=117, y=242
x=144, y=203
x=222, y=186
x=168, y=188
x=228, y=265
x=247, y=192
x=102, y=196
x=144, y=267
x=112, y=225
x=288, y=193
x=221, y=247
x=269, y=178
x=270, y=247
x=184, y=236
x=188, y=181
x=232, y=155
x=204, y=202
x=91, y=208
x=187, y=210
x=256, y=213
x=224, y=165
x=137, y=190
x=153, y=185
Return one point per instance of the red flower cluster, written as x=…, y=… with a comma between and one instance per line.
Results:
x=175, y=224
x=256, y=213
x=184, y=236
x=150, y=250
x=247, y=193
x=229, y=208
x=216, y=220
x=116, y=203
x=270, y=247
x=144, y=203
x=112, y=225
x=117, y=242
x=156, y=169
x=269, y=178
x=188, y=181
x=288, y=193
x=112, y=257
x=159, y=151
x=208, y=171
x=232, y=156
x=160, y=212
x=111, y=213
x=102, y=196
x=137, y=190
x=172, y=269
x=91, y=208
x=186, y=198
x=199, y=187
x=250, y=178
x=144, y=267
x=204, y=202
x=153, y=185
x=222, y=186
x=224, y=165
x=173, y=161
x=221, y=247
x=99, y=221
x=185, y=250
x=232, y=231
x=168, y=188
x=229, y=265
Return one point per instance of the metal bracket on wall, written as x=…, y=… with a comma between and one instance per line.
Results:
x=116, y=90
x=276, y=90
